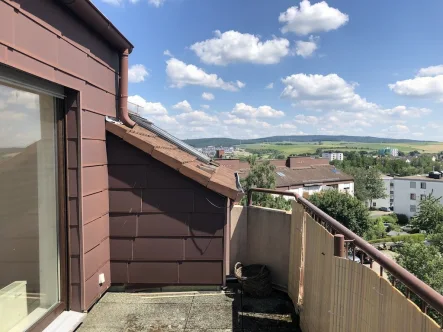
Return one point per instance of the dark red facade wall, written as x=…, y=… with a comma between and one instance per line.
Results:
x=43, y=38
x=95, y=207
x=89, y=223
x=165, y=228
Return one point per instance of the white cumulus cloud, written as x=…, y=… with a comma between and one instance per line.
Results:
x=233, y=46
x=269, y=86
x=306, y=49
x=197, y=118
x=323, y=91
x=137, y=74
x=183, y=106
x=397, y=129
x=306, y=119
x=428, y=83
x=241, y=84
x=156, y=3
x=340, y=107
x=208, y=96
x=307, y=18
x=431, y=71
x=182, y=74
x=243, y=110
x=145, y=108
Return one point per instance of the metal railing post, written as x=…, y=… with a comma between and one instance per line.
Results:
x=339, y=246
x=249, y=197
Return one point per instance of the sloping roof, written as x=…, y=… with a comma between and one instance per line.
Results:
x=286, y=177
x=309, y=175
x=218, y=179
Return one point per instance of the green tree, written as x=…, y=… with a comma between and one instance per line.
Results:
x=368, y=184
x=426, y=263
x=437, y=241
x=376, y=230
x=430, y=215
x=344, y=208
x=262, y=175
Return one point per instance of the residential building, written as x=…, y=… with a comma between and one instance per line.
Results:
x=86, y=202
x=310, y=180
x=388, y=151
x=332, y=155
x=410, y=190
x=302, y=175
x=388, y=201
x=92, y=196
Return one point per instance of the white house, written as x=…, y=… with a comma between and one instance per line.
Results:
x=409, y=190
x=332, y=156
x=389, y=192
x=306, y=181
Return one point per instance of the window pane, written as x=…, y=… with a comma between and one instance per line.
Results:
x=29, y=268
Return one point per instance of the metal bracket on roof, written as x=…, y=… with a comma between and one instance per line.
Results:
x=238, y=183
x=142, y=122
x=112, y=120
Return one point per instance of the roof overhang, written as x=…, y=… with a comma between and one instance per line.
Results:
x=98, y=22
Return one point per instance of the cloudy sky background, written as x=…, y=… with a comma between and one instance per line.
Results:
x=255, y=68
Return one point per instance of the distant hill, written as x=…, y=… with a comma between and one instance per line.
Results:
x=222, y=141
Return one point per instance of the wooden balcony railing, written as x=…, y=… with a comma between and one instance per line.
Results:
x=346, y=241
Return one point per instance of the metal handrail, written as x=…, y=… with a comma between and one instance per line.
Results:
x=418, y=287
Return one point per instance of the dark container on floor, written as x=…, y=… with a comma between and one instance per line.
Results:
x=255, y=279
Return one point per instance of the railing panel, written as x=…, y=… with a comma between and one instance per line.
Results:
x=318, y=277
x=296, y=254
x=268, y=237
x=337, y=294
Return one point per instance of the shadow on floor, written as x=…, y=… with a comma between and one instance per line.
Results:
x=191, y=311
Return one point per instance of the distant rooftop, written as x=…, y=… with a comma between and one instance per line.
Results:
x=418, y=178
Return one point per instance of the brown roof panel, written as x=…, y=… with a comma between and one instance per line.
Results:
x=116, y=128
x=218, y=179
x=194, y=171
x=139, y=142
x=308, y=175
x=223, y=182
x=173, y=158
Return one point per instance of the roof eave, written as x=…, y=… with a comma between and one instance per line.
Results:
x=95, y=19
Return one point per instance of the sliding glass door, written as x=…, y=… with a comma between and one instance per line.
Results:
x=30, y=275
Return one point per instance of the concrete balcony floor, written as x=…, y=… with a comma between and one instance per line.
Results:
x=191, y=311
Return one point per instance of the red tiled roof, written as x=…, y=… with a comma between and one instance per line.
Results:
x=218, y=179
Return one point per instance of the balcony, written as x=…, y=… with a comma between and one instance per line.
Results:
x=318, y=284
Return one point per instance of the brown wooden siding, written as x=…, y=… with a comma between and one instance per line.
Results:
x=164, y=228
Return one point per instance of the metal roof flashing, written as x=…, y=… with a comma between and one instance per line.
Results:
x=142, y=122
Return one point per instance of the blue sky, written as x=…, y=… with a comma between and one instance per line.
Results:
x=285, y=67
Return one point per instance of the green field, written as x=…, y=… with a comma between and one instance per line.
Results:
x=311, y=147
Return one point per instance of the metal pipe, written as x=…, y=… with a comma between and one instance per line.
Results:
x=123, y=102
x=418, y=287
x=339, y=246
